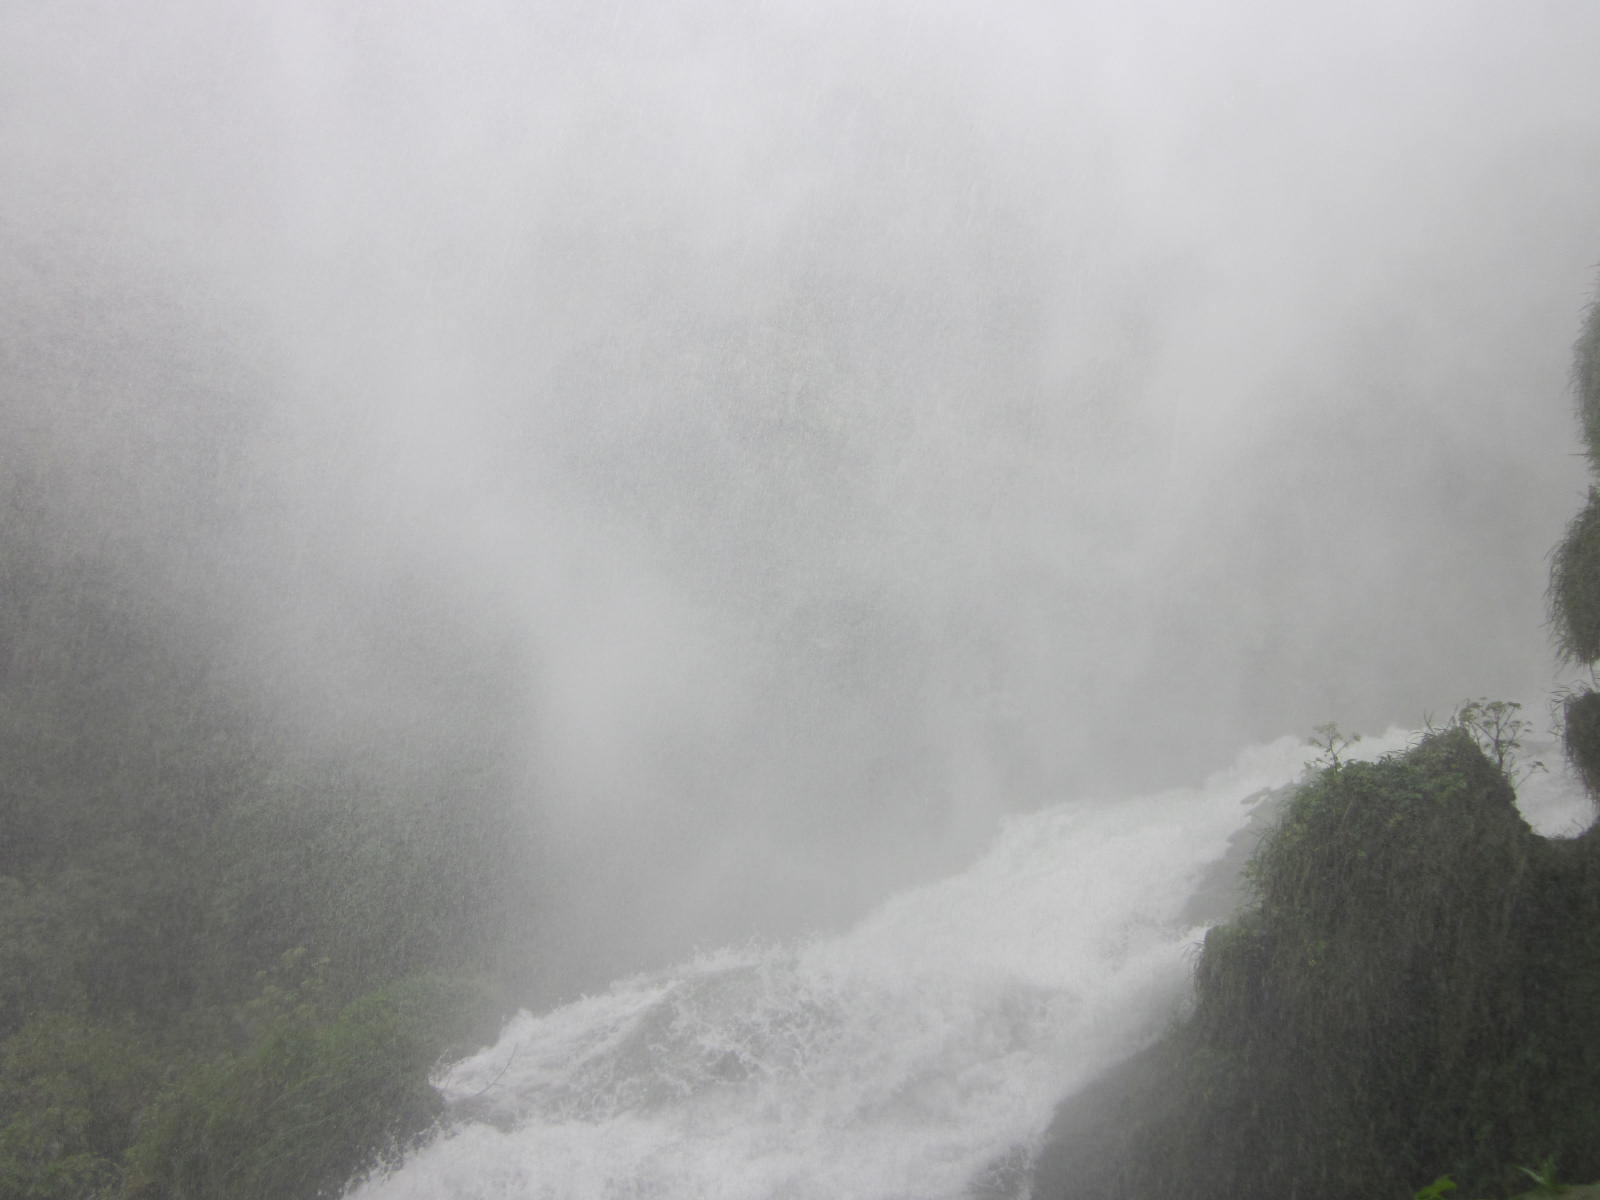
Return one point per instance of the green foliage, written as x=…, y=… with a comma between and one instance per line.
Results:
x=70, y=1093
x=1497, y=727
x=1575, y=585
x=166, y=851
x=1544, y=1177
x=1405, y=997
x=312, y=1099
x=1332, y=742
x=1580, y=723
x=1574, y=589
x=1436, y=1190
x=109, y=933
x=1586, y=380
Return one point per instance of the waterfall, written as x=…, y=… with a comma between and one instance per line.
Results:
x=918, y=1056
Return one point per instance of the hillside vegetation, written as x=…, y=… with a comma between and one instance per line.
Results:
x=229, y=958
x=1410, y=992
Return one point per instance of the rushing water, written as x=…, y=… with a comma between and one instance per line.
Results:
x=916, y=1057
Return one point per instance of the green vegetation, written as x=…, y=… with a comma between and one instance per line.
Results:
x=1409, y=996
x=1544, y=1177
x=1575, y=576
x=229, y=960
x=1410, y=992
x=1586, y=380
x=1497, y=727
x=308, y=1101
x=1575, y=585
x=1581, y=733
x=1575, y=573
x=1332, y=742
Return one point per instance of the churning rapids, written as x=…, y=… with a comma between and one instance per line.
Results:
x=919, y=1056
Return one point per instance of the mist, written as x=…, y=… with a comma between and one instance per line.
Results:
x=783, y=438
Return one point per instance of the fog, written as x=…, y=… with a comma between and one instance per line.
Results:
x=785, y=437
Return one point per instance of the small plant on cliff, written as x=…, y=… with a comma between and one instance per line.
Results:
x=1436, y=1190
x=1497, y=727
x=1544, y=1177
x=1333, y=742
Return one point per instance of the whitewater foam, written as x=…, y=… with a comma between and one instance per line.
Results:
x=917, y=1057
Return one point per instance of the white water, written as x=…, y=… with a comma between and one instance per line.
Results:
x=916, y=1057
